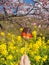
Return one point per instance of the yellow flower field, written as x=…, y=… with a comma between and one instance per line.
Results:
x=13, y=47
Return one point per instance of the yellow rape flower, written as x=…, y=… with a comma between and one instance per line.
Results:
x=13, y=41
x=9, y=34
x=3, y=46
x=34, y=34
x=30, y=45
x=37, y=58
x=39, y=43
x=3, y=59
x=21, y=29
x=44, y=58
x=13, y=36
x=11, y=47
x=3, y=49
x=5, y=62
x=44, y=46
x=10, y=57
x=16, y=64
x=2, y=34
x=16, y=50
x=41, y=34
x=22, y=50
x=12, y=63
x=47, y=43
x=35, y=48
x=4, y=52
x=18, y=38
x=43, y=38
x=32, y=53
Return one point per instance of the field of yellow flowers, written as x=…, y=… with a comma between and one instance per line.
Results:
x=13, y=47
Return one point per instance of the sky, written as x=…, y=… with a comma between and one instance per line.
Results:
x=29, y=1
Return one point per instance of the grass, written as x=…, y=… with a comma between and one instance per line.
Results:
x=31, y=22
